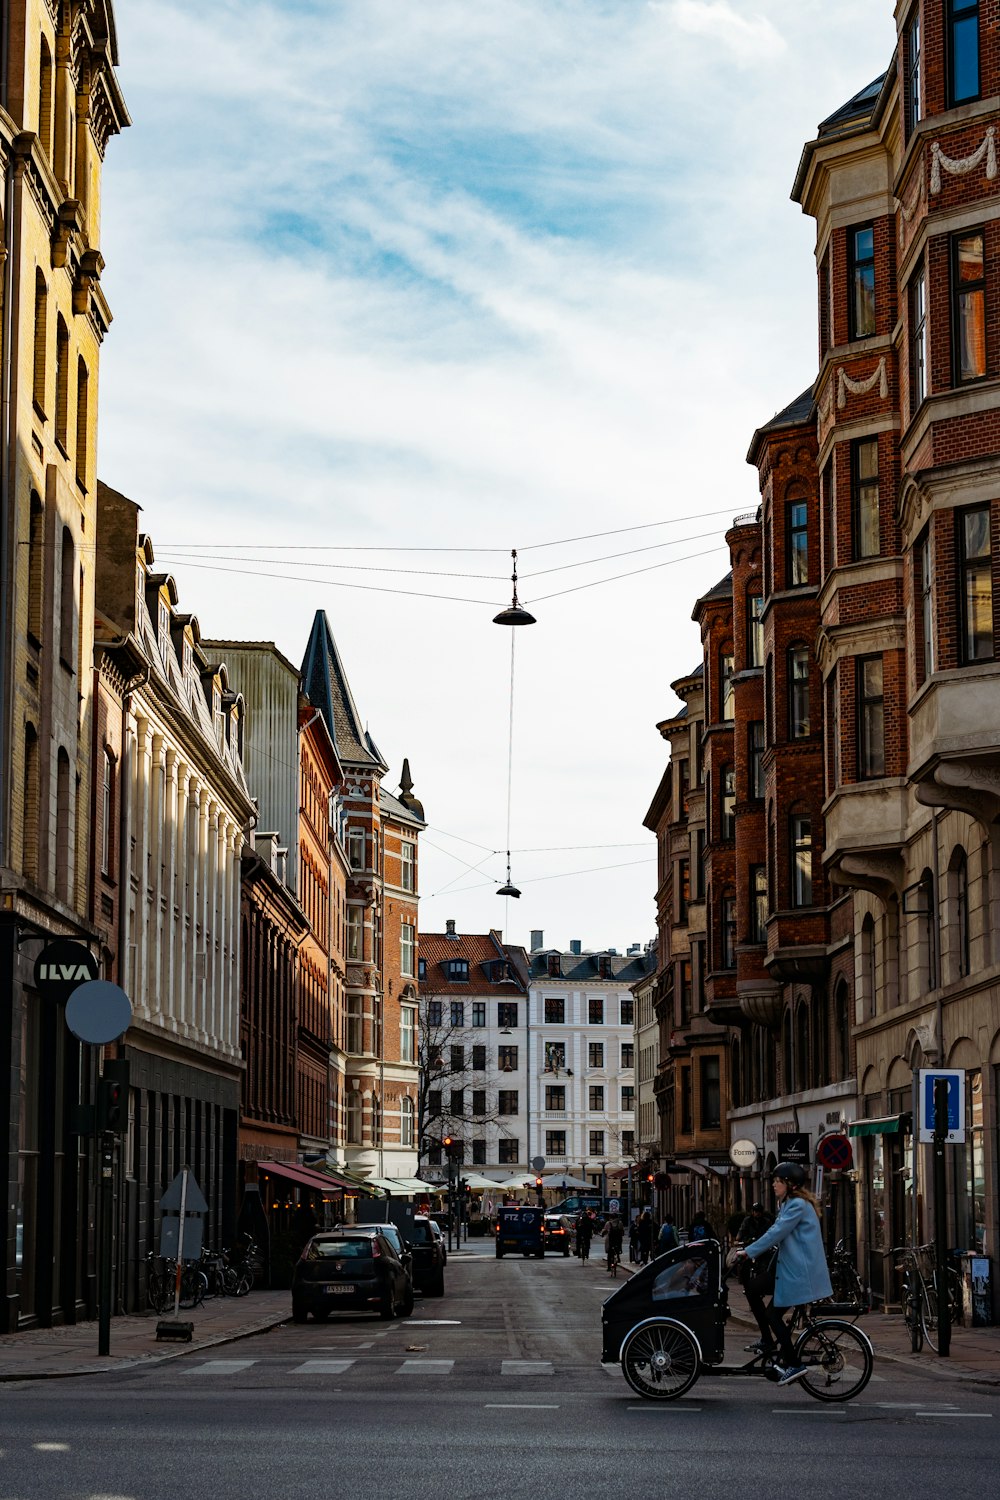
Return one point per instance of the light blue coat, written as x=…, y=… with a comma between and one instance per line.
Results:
x=802, y=1273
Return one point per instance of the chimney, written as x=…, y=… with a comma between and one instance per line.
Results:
x=575, y=947
x=449, y=929
x=537, y=939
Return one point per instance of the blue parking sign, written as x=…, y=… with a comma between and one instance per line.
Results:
x=955, y=1079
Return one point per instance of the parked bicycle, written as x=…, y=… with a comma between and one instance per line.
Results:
x=917, y=1268
x=161, y=1283
x=849, y=1292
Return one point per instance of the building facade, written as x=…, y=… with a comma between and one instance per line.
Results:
x=60, y=104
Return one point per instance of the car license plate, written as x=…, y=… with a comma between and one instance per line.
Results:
x=339, y=1291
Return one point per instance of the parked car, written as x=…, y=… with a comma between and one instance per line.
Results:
x=428, y=1256
x=347, y=1269
x=439, y=1235
x=557, y=1232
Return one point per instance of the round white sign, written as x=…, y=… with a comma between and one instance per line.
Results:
x=743, y=1154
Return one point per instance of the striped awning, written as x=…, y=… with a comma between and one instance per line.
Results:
x=882, y=1125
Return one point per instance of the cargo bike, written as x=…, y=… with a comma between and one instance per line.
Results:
x=666, y=1327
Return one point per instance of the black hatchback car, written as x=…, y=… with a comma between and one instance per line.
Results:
x=345, y=1270
x=428, y=1253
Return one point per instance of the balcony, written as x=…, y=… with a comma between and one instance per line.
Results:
x=954, y=740
x=865, y=834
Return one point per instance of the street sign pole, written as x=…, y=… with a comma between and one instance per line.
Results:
x=180, y=1244
x=941, y=1216
x=104, y=1282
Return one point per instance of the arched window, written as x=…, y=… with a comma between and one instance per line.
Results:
x=820, y=1039
x=45, y=97
x=108, y=814
x=842, y=1030
x=787, y=1068
x=354, y=1118
x=406, y=1121
x=797, y=669
x=29, y=859
x=927, y=919
x=36, y=567
x=376, y=1121
x=801, y=857
x=62, y=825
x=802, y=1047
x=867, y=975
x=735, y=1074
x=41, y=340
x=958, y=900
x=67, y=598
x=62, y=382
x=82, y=423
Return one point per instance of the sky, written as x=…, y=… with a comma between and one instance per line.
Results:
x=399, y=287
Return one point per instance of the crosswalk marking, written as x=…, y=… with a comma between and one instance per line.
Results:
x=322, y=1367
x=526, y=1367
x=426, y=1367
x=221, y=1367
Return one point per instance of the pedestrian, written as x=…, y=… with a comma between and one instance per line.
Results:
x=633, y=1238
x=754, y=1225
x=701, y=1229
x=667, y=1237
x=801, y=1274
x=584, y=1235
x=644, y=1230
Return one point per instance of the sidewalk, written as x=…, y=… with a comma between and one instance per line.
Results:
x=51, y=1353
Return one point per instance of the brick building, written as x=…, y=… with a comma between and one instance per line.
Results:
x=60, y=104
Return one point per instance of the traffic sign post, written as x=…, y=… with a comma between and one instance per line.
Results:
x=954, y=1079
x=942, y=1133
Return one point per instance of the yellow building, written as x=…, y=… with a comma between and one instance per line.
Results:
x=59, y=105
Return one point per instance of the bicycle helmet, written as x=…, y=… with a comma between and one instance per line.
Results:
x=790, y=1171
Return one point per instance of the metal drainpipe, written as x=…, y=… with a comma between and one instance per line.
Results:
x=938, y=1007
x=8, y=398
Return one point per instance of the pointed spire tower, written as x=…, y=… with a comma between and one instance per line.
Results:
x=327, y=688
x=406, y=792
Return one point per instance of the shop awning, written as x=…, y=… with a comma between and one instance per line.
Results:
x=882, y=1125
x=700, y=1167
x=404, y=1185
x=317, y=1182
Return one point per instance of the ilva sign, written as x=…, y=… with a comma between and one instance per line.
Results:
x=61, y=966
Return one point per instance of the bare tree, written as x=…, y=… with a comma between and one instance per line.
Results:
x=449, y=1085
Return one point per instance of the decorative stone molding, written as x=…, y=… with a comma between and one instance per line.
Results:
x=962, y=166
x=845, y=384
x=763, y=1008
x=884, y=875
x=967, y=786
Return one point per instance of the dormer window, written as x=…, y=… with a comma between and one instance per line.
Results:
x=187, y=658
x=421, y=968
x=604, y=966
x=217, y=713
x=457, y=968
x=163, y=628
x=554, y=966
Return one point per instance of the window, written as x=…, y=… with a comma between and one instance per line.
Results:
x=864, y=497
x=962, y=43
x=729, y=931
x=699, y=863
x=407, y=1033
x=685, y=1110
x=628, y=1013
x=457, y=1106
x=800, y=829
x=479, y=1153
x=407, y=948
x=408, y=866
x=918, y=340
x=555, y=1056
x=507, y=1013
x=711, y=1094
x=82, y=422
x=914, y=96
x=355, y=1036
x=62, y=383
x=421, y=969
x=555, y=1012
x=682, y=886
x=968, y=312
x=507, y=1059
x=456, y=1059
x=755, y=759
x=798, y=692
x=726, y=695
x=758, y=903
x=458, y=1012
x=595, y=1010
x=555, y=1096
x=64, y=836
x=45, y=98
x=922, y=565
x=479, y=1059
x=107, y=813
x=356, y=849
x=507, y=1102
x=41, y=342
x=555, y=1143
x=597, y=1143
x=861, y=304
x=755, y=630
x=435, y=1013
x=595, y=1096
x=595, y=1055
x=628, y=1054
x=67, y=598
x=479, y=1014
x=628, y=1143
x=478, y=1103
x=353, y=1118
x=457, y=968
x=927, y=916
x=868, y=992
x=976, y=585
x=406, y=1121
x=628, y=1098
x=36, y=567
x=797, y=534
x=554, y=966
x=960, y=885
x=871, y=718
x=509, y=1150
x=727, y=809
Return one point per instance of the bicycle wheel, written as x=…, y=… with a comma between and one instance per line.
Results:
x=929, y=1315
x=156, y=1294
x=194, y=1285
x=911, y=1316
x=660, y=1361
x=839, y=1360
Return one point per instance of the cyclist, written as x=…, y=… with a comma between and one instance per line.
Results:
x=613, y=1233
x=584, y=1234
x=802, y=1274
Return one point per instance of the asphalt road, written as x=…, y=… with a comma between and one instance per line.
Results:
x=495, y=1390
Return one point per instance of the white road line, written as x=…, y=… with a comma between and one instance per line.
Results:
x=434, y=1323
x=987, y=1414
x=664, y=1408
x=808, y=1411
x=899, y=1405
x=322, y=1367
x=526, y=1367
x=520, y=1406
x=426, y=1367
x=221, y=1367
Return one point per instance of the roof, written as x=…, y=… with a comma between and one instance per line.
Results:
x=391, y=807
x=796, y=414
x=721, y=590
x=857, y=110
x=480, y=950
x=326, y=685
x=585, y=968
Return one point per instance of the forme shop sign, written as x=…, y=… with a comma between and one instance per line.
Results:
x=63, y=965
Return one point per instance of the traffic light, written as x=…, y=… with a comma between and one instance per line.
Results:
x=463, y=1188
x=447, y=1143
x=538, y=1182
x=111, y=1106
x=649, y=1176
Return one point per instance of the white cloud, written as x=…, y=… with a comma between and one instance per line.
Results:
x=750, y=38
